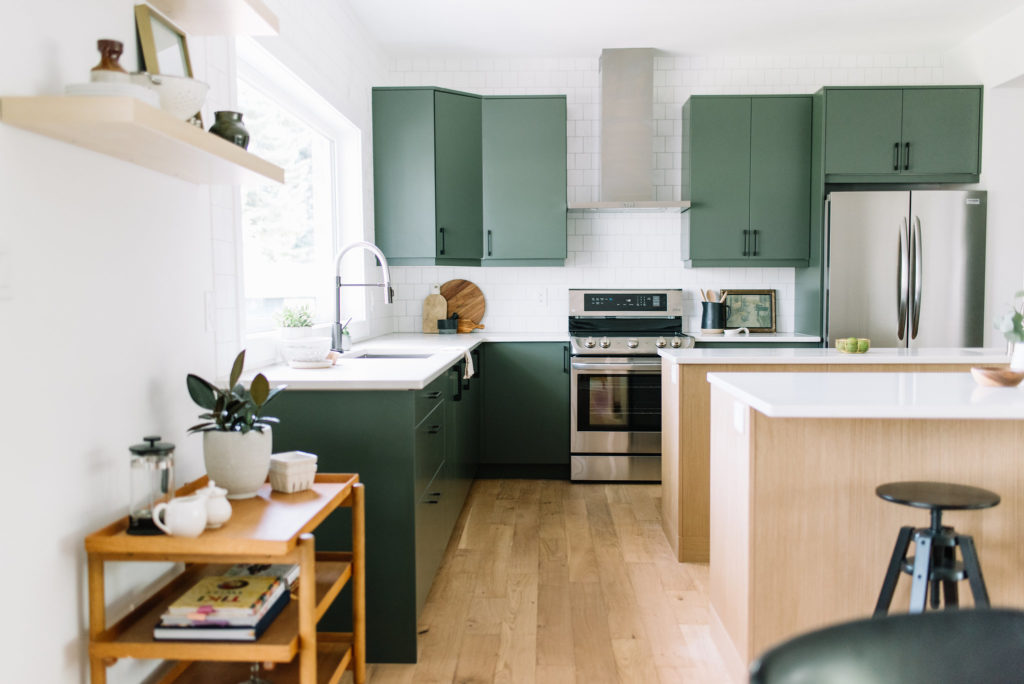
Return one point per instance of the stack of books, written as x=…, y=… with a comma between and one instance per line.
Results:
x=236, y=606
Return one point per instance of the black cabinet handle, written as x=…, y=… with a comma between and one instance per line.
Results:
x=756, y=252
x=565, y=359
x=442, y=239
x=746, y=243
x=458, y=381
x=434, y=429
x=435, y=493
x=476, y=364
x=434, y=395
x=895, y=156
x=906, y=156
x=431, y=502
x=490, y=243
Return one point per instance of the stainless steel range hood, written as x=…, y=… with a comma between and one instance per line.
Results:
x=627, y=135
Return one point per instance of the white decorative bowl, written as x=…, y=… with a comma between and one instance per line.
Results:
x=306, y=350
x=181, y=97
x=292, y=471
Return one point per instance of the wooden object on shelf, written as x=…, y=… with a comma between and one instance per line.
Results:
x=220, y=17
x=464, y=298
x=131, y=130
x=269, y=528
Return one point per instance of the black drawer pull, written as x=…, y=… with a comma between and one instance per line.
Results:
x=431, y=502
x=434, y=395
x=442, y=239
x=435, y=493
x=434, y=429
x=906, y=158
x=895, y=156
x=756, y=252
x=746, y=243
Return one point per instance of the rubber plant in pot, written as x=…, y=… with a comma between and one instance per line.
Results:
x=237, y=439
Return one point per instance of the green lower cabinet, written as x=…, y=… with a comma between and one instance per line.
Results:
x=524, y=181
x=525, y=409
x=749, y=161
x=902, y=134
x=399, y=444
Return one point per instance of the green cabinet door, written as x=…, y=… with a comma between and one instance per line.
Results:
x=524, y=181
x=941, y=130
x=526, y=404
x=863, y=131
x=780, y=178
x=426, y=172
x=719, y=177
x=457, y=148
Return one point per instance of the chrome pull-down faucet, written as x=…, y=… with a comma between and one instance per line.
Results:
x=389, y=293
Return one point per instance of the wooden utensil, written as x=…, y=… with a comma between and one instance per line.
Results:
x=465, y=299
x=434, y=307
x=468, y=326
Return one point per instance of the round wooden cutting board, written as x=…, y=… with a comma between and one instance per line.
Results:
x=465, y=299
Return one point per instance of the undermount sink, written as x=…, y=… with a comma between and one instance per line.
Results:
x=373, y=355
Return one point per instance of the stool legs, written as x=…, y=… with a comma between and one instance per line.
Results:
x=922, y=570
x=892, y=575
x=973, y=569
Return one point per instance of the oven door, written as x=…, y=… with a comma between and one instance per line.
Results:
x=616, y=405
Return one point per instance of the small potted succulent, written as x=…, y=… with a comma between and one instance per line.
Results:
x=300, y=346
x=295, y=321
x=237, y=440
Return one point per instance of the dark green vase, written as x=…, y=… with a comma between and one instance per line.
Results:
x=229, y=126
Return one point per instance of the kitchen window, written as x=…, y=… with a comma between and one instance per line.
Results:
x=291, y=232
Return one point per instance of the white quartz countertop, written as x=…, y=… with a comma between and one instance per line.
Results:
x=730, y=336
x=973, y=356
x=351, y=372
x=871, y=395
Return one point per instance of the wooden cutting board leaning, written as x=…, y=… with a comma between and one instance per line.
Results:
x=466, y=299
x=434, y=307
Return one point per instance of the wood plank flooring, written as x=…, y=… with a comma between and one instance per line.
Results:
x=549, y=582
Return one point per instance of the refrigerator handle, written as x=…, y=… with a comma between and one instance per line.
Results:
x=903, y=280
x=916, y=274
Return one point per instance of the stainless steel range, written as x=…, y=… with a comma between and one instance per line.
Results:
x=616, y=380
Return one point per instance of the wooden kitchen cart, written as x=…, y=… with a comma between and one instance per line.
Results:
x=269, y=528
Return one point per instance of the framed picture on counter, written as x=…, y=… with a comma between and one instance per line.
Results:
x=750, y=309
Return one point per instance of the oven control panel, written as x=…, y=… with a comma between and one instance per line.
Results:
x=626, y=303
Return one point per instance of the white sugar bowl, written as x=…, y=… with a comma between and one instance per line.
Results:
x=218, y=508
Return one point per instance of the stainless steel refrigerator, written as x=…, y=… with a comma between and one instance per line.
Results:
x=906, y=268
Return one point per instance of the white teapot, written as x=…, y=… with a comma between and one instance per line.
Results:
x=218, y=508
x=183, y=516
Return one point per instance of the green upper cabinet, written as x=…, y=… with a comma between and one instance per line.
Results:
x=427, y=176
x=895, y=134
x=524, y=181
x=749, y=176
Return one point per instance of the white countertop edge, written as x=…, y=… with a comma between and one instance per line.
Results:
x=944, y=396
x=754, y=337
x=710, y=356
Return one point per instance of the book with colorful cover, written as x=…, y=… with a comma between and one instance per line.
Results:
x=287, y=571
x=226, y=595
x=220, y=632
x=211, y=617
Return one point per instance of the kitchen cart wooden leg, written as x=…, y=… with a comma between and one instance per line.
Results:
x=307, y=609
x=358, y=585
x=97, y=617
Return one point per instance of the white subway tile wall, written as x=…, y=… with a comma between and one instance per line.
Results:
x=627, y=250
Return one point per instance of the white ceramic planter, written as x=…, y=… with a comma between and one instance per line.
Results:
x=1017, y=357
x=238, y=462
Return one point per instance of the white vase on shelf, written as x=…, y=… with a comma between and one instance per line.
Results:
x=1017, y=356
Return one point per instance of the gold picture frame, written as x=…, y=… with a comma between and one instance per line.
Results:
x=751, y=309
x=163, y=48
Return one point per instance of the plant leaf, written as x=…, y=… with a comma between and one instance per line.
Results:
x=202, y=392
x=236, y=368
x=200, y=427
x=273, y=393
x=260, y=389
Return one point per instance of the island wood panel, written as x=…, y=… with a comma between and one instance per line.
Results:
x=814, y=544
x=686, y=441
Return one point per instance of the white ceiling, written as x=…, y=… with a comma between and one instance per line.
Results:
x=581, y=28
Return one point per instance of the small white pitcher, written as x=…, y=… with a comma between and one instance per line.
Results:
x=182, y=516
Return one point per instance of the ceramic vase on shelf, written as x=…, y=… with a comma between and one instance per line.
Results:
x=109, y=70
x=228, y=125
x=238, y=461
x=1017, y=356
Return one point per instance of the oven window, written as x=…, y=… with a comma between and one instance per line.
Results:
x=618, y=402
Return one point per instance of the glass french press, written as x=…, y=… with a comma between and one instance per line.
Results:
x=152, y=481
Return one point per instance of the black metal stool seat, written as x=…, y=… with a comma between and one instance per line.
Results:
x=934, y=563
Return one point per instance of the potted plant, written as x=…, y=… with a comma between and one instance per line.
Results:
x=1011, y=324
x=237, y=439
x=295, y=321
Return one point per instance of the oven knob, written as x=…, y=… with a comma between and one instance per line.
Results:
x=605, y=343
x=677, y=342
x=632, y=343
x=589, y=343
x=660, y=343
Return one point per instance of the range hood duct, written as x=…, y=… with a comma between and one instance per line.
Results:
x=627, y=135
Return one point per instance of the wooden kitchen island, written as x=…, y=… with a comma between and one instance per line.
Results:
x=686, y=412
x=799, y=540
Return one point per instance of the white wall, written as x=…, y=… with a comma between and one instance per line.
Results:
x=104, y=270
x=994, y=56
x=627, y=250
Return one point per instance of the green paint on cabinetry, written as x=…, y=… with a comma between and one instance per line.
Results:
x=749, y=179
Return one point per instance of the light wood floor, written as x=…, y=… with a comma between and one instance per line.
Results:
x=552, y=582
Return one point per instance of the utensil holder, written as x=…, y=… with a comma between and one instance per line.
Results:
x=713, y=315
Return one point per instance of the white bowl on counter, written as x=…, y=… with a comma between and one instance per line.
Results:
x=306, y=352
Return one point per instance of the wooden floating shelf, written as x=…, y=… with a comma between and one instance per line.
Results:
x=223, y=17
x=131, y=130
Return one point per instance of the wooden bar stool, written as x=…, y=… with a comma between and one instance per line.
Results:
x=934, y=562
